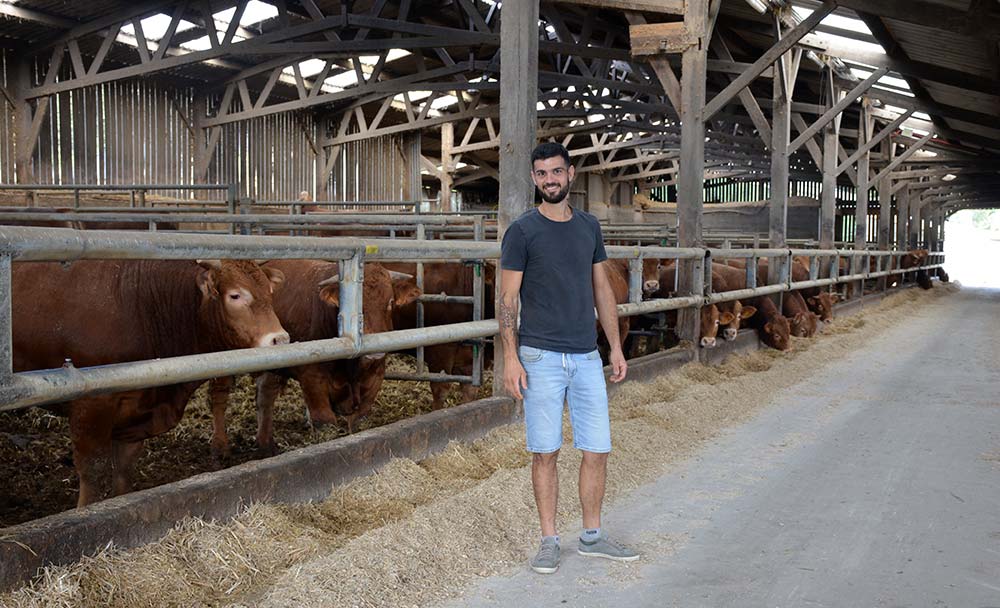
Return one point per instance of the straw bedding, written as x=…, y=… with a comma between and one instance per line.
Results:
x=417, y=533
x=36, y=457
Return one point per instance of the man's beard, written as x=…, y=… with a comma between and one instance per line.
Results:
x=556, y=198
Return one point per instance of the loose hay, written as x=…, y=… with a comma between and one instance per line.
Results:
x=369, y=543
x=36, y=455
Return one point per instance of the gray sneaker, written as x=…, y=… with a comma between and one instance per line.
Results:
x=546, y=561
x=608, y=549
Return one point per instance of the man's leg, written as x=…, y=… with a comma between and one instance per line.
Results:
x=543, y=408
x=545, y=481
x=593, y=474
x=588, y=410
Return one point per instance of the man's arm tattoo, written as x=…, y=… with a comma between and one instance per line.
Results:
x=508, y=315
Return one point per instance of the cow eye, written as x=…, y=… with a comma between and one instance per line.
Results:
x=234, y=296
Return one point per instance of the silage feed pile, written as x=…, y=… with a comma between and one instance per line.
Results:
x=417, y=533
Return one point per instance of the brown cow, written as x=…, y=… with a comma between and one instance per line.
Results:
x=819, y=301
x=308, y=305
x=772, y=327
x=711, y=317
x=804, y=323
x=454, y=279
x=102, y=312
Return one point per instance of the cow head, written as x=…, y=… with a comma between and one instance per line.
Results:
x=355, y=383
x=799, y=324
x=650, y=276
x=736, y=315
x=709, y=325
x=822, y=305
x=775, y=333
x=236, y=309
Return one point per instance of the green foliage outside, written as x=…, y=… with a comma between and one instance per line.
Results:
x=986, y=219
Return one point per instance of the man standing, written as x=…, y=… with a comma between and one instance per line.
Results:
x=552, y=258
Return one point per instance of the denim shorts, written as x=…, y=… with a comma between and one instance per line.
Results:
x=557, y=378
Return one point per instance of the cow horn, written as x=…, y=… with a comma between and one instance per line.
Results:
x=331, y=281
x=399, y=276
x=210, y=264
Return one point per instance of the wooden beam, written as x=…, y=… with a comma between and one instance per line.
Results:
x=670, y=7
x=901, y=158
x=659, y=38
x=28, y=14
x=787, y=41
x=837, y=108
x=874, y=141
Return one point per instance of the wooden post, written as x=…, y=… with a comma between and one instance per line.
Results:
x=690, y=182
x=861, y=200
x=885, y=207
x=828, y=206
x=781, y=123
x=864, y=166
x=915, y=202
x=416, y=192
x=885, y=198
x=518, y=123
x=199, y=109
x=447, y=143
x=902, y=218
x=23, y=146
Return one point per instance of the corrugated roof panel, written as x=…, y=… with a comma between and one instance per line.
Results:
x=942, y=48
x=963, y=98
x=969, y=127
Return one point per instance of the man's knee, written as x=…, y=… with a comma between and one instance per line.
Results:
x=546, y=461
x=594, y=458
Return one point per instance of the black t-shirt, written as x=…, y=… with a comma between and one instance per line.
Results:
x=557, y=291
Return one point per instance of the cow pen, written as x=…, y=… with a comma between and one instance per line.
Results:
x=250, y=346
x=25, y=389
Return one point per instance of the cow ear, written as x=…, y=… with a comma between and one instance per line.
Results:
x=768, y=328
x=811, y=300
x=330, y=294
x=275, y=276
x=726, y=318
x=747, y=312
x=207, y=282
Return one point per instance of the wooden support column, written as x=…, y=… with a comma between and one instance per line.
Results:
x=902, y=218
x=864, y=166
x=780, y=133
x=885, y=198
x=690, y=181
x=828, y=205
x=413, y=163
x=24, y=146
x=199, y=111
x=915, y=203
x=447, y=143
x=518, y=123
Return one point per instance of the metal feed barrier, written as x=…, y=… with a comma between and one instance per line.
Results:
x=23, y=389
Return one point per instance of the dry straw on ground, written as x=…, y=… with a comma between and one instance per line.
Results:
x=416, y=533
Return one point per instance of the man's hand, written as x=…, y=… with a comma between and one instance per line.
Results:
x=618, y=365
x=514, y=377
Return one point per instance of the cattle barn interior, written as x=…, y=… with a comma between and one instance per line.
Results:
x=765, y=172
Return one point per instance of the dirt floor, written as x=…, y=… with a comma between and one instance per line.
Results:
x=36, y=457
x=415, y=534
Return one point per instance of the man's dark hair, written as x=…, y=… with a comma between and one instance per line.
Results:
x=550, y=149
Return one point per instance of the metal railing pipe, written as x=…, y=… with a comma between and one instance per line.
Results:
x=64, y=244
x=55, y=386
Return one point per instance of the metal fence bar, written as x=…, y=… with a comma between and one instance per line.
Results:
x=350, y=316
x=420, y=305
x=238, y=217
x=478, y=304
x=55, y=386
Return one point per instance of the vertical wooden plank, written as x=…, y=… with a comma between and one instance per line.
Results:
x=861, y=205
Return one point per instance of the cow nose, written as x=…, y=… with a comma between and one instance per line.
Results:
x=708, y=342
x=730, y=334
x=651, y=286
x=828, y=321
x=274, y=339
